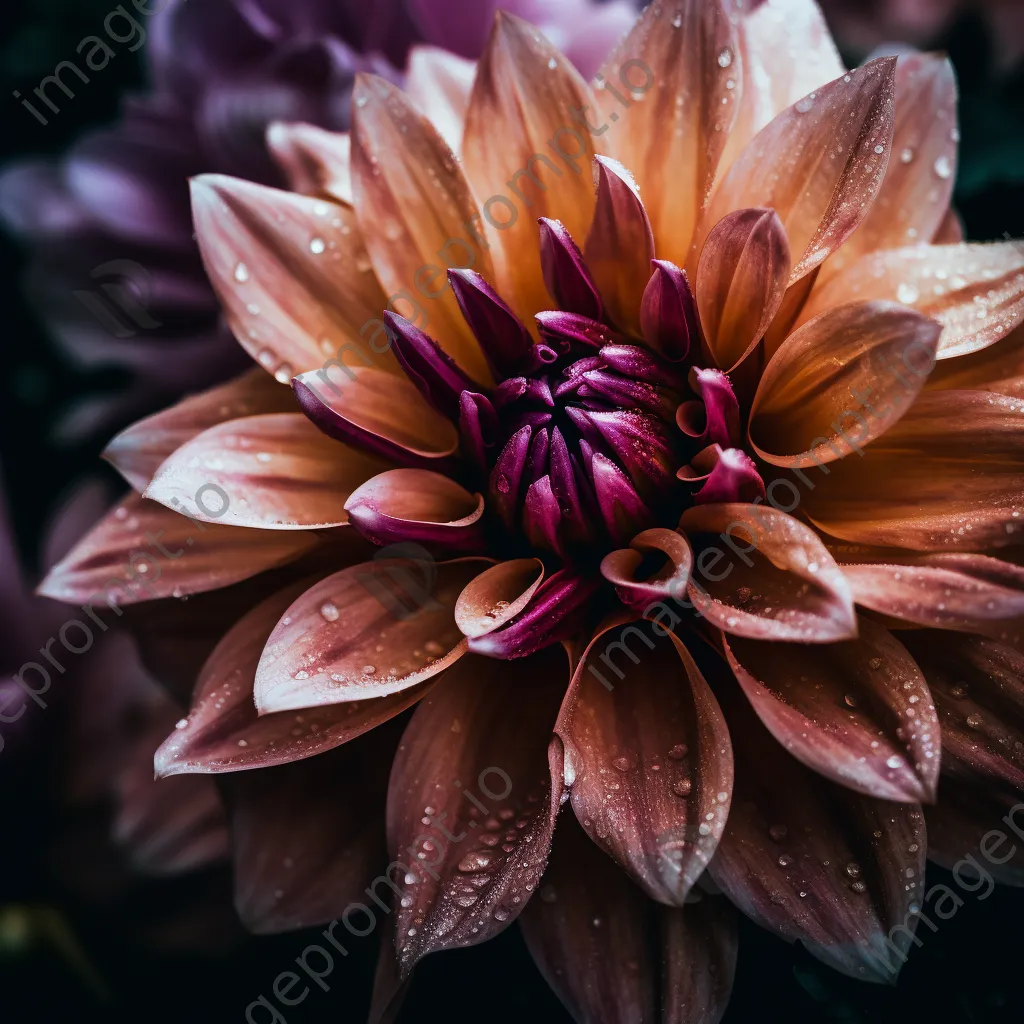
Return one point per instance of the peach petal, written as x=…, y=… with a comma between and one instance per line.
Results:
x=818, y=164
x=523, y=113
x=439, y=83
x=914, y=197
x=780, y=582
x=292, y=274
x=137, y=452
x=858, y=712
x=830, y=389
x=999, y=368
x=680, y=72
x=975, y=290
x=787, y=53
x=620, y=245
x=921, y=484
x=277, y=471
x=140, y=551
x=647, y=759
x=741, y=280
x=497, y=595
x=366, y=632
x=316, y=162
x=417, y=215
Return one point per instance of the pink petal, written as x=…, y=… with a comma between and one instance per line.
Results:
x=365, y=632
x=647, y=758
x=859, y=712
x=778, y=582
x=487, y=798
x=635, y=583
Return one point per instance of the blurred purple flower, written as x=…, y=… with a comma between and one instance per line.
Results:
x=221, y=71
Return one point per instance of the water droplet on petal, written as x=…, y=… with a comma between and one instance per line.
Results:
x=241, y=273
x=943, y=168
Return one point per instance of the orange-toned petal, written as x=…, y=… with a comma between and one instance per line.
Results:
x=830, y=389
x=305, y=845
x=818, y=164
x=620, y=245
x=378, y=411
x=778, y=581
x=951, y=229
x=647, y=758
x=417, y=215
x=947, y=476
x=974, y=289
x=599, y=942
x=679, y=72
x=815, y=862
x=978, y=686
x=999, y=368
x=472, y=802
x=858, y=712
x=222, y=732
x=273, y=472
x=635, y=585
x=914, y=197
x=439, y=83
x=497, y=595
x=527, y=154
x=787, y=53
x=741, y=279
x=293, y=275
x=138, y=451
x=317, y=162
x=949, y=591
x=141, y=551
x=365, y=632
x=418, y=506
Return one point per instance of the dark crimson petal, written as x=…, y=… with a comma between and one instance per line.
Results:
x=478, y=427
x=600, y=943
x=556, y=612
x=566, y=275
x=503, y=338
x=380, y=413
x=629, y=394
x=542, y=516
x=723, y=476
x=812, y=861
x=641, y=443
x=668, y=314
x=714, y=416
x=428, y=366
x=540, y=446
x=527, y=389
x=505, y=484
x=567, y=331
x=633, y=361
x=566, y=491
x=472, y=803
x=418, y=506
x=646, y=757
x=973, y=822
x=305, y=846
x=622, y=509
x=978, y=687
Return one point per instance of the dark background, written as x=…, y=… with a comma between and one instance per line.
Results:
x=87, y=951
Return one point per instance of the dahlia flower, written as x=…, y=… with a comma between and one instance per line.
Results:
x=115, y=273
x=697, y=483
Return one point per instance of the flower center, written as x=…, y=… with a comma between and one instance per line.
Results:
x=587, y=445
